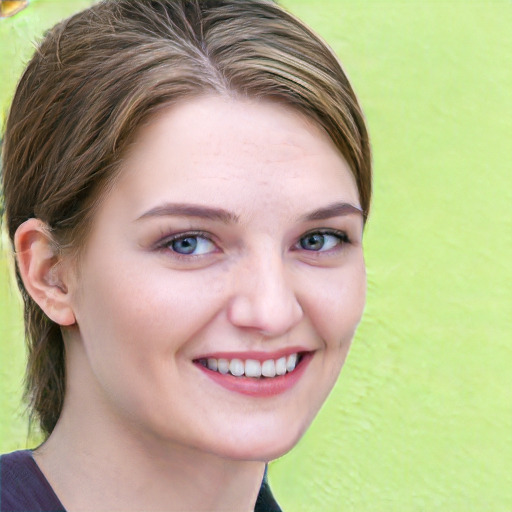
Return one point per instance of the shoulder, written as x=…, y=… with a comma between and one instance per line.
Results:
x=23, y=487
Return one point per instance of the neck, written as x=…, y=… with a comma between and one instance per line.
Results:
x=92, y=465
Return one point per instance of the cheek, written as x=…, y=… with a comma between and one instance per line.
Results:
x=135, y=326
x=144, y=311
x=336, y=311
x=337, y=303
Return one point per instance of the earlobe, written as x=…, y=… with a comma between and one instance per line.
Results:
x=41, y=268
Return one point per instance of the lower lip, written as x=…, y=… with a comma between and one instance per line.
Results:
x=260, y=387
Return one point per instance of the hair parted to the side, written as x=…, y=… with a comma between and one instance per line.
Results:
x=99, y=75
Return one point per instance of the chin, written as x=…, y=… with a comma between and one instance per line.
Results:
x=264, y=445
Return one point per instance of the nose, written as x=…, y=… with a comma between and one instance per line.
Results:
x=264, y=297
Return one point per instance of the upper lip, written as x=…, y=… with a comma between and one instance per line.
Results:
x=257, y=355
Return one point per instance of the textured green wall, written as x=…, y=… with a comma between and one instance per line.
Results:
x=421, y=419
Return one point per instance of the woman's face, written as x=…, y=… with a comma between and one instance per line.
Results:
x=231, y=240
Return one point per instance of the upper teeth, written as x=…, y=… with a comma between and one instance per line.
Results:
x=252, y=367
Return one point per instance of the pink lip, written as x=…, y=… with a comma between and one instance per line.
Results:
x=258, y=387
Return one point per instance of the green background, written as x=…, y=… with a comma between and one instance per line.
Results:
x=421, y=418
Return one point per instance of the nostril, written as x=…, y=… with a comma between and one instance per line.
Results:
x=268, y=318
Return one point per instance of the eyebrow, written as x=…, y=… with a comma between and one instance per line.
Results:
x=191, y=210
x=227, y=217
x=333, y=210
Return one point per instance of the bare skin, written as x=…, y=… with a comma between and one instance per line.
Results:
x=234, y=227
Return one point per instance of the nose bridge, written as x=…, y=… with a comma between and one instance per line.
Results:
x=264, y=295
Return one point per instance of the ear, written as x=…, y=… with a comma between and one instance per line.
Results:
x=42, y=270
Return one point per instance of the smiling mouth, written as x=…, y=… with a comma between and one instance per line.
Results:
x=267, y=369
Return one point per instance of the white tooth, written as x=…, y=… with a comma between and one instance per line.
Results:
x=291, y=362
x=212, y=364
x=236, y=367
x=223, y=366
x=268, y=368
x=281, y=366
x=252, y=368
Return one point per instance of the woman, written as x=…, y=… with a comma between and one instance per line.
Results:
x=186, y=185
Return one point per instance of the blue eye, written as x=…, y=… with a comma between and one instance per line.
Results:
x=194, y=245
x=321, y=242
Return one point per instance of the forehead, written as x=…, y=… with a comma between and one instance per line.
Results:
x=214, y=149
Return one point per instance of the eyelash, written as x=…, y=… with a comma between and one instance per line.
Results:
x=165, y=243
x=342, y=237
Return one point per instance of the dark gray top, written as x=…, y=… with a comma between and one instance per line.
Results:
x=24, y=488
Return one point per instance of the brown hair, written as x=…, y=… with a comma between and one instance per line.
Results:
x=99, y=75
